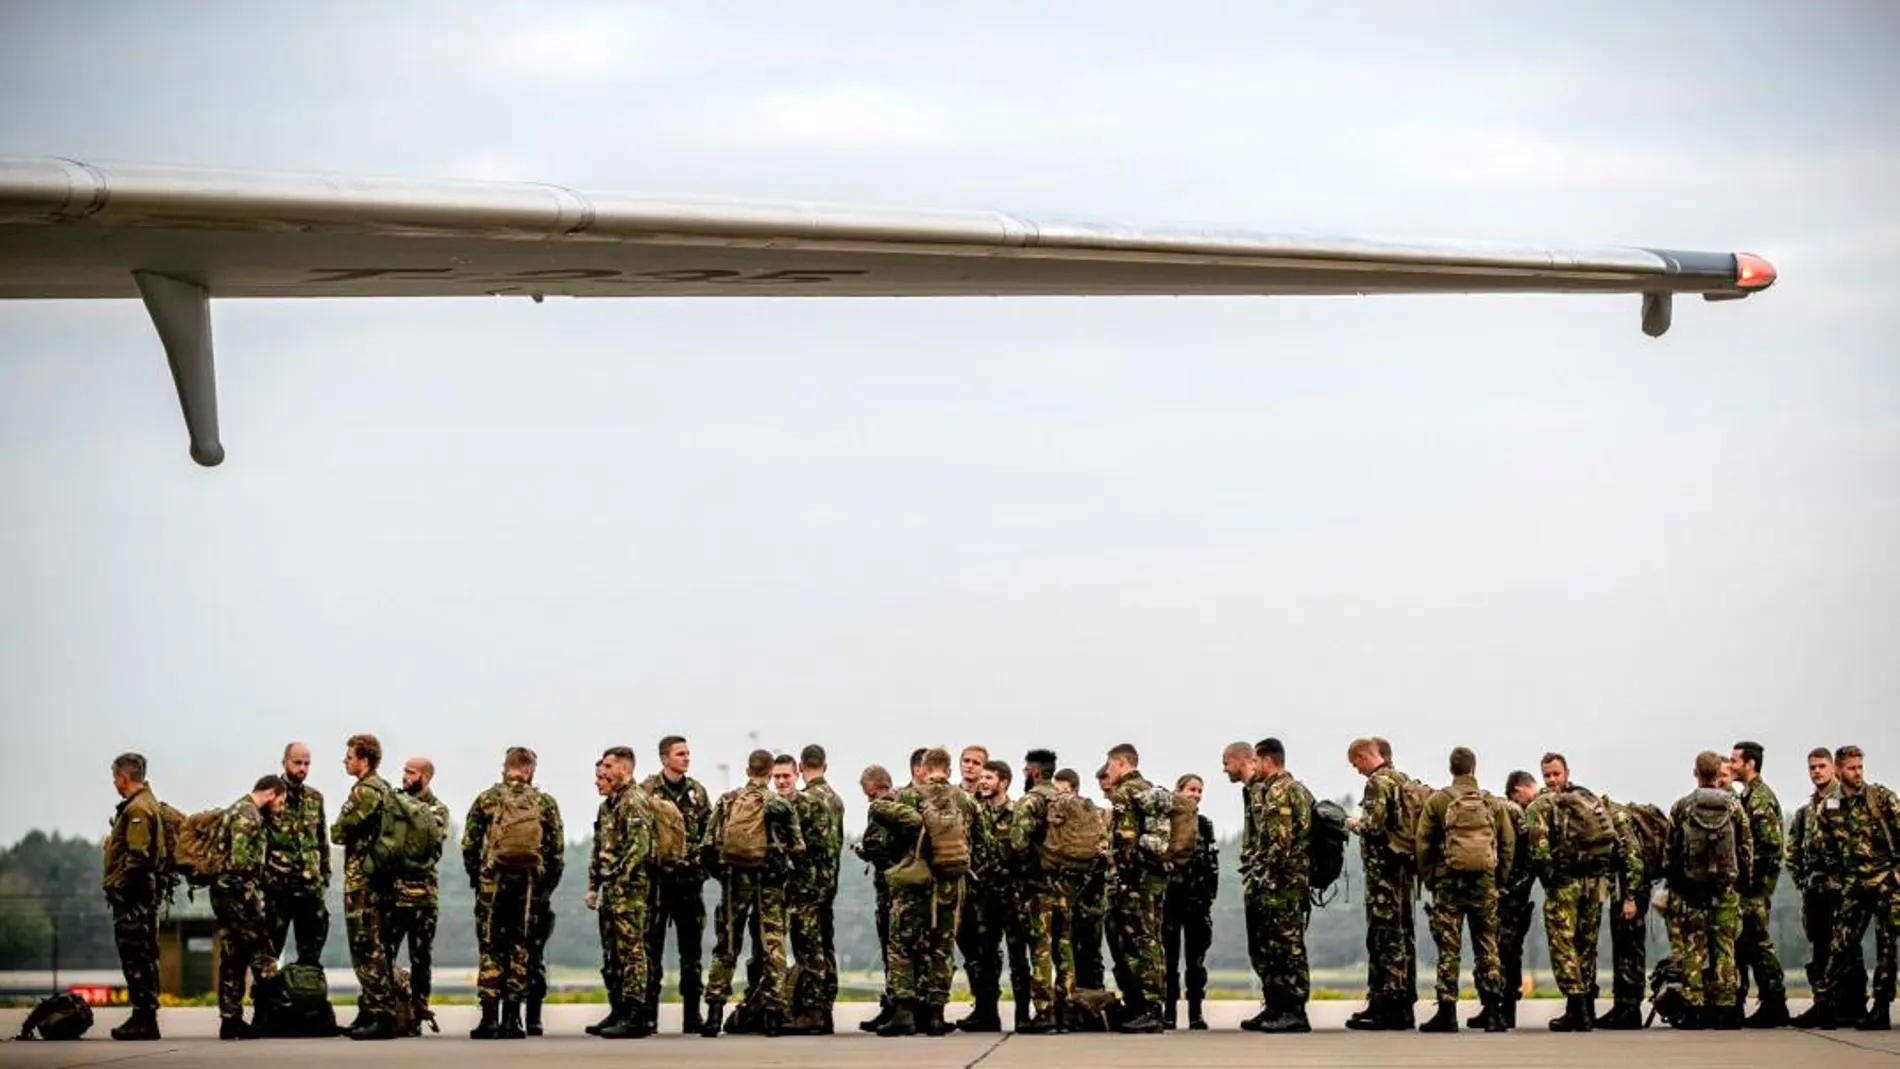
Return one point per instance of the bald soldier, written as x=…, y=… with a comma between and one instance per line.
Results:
x=414, y=901
x=297, y=867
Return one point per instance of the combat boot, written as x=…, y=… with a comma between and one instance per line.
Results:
x=1445, y=1020
x=1623, y=1017
x=901, y=1022
x=235, y=1028
x=1484, y=1017
x=983, y=1018
x=1357, y=1022
x=1493, y=1018
x=631, y=1025
x=1142, y=1020
x=690, y=1018
x=1380, y=1015
x=1510, y=1012
x=1576, y=1016
x=613, y=1014
x=1252, y=1024
x=934, y=1024
x=1877, y=1019
x=142, y=1025
x=533, y=1015
x=1725, y=1018
x=1022, y=1011
x=511, y=1020
x=1196, y=1022
x=489, y=1028
x=883, y=1015
x=715, y=1016
x=1812, y=1016
x=375, y=1026
x=1769, y=1013
x=1169, y=1015
x=1291, y=1020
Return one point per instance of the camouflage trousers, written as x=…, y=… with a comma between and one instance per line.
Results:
x=624, y=919
x=1629, y=950
x=881, y=891
x=1514, y=926
x=1573, y=915
x=413, y=921
x=504, y=916
x=1046, y=928
x=1277, y=946
x=980, y=941
x=1187, y=931
x=1755, y=951
x=299, y=906
x=243, y=943
x=679, y=901
x=1088, y=909
x=1391, y=940
x=1818, y=908
x=541, y=918
x=1707, y=927
x=1859, y=906
x=923, y=941
x=751, y=903
x=1134, y=918
x=1461, y=900
x=363, y=920
x=135, y=930
x=808, y=921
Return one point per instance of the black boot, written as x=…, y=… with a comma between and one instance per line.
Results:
x=1445, y=1020
x=1494, y=1017
x=1169, y=1016
x=1196, y=1022
x=490, y=1027
x=1509, y=1006
x=715, y=1016
x=690, y=1017
x=1021, y=1008
x=511, y=1020
x=984, y=1018
x=1725, y=1018
x=934, y=1024
x=1576, y=1017
x=1623, y=1017
x=883, y=1015
x=1252, y=1024
x=1380, y=1015
x=1144, y=1019
x=1877, y=1019
x=1810, y=1017
x=142, y=1025
x=235, y=1028
x=376, y=1026
x=1484, y=1017
x=1291, y=1019
x=1041, y=1024
x=901, y=1022
x=533, y=1015
x=632, y=1024
x=613, y=1014
x=1769, y=1013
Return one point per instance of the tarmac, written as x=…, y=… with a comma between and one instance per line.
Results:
x=190, y=1040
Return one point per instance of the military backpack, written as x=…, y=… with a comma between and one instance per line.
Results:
x=195, y=844
x=669, y=834
x=1407, y=805
x=1184, y=827
x=515, y=831
x=1708, y=839
x=1471, y=843
x=61, y=1017
x=947, y=826
x=408, y=839
x=1585, y=836
x=1072, y=834
x=1325, y=849
x=303, y=1011
x=1652, y=835
x=742, y=844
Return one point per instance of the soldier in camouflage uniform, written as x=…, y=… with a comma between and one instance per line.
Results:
x=751, y=899
x=619, y=887
x=237, y=900
x=980, y=929
x=1243, y=767
x=508, y=894
x=414, y=901
x=876, y=849
x=1515, y=910
x=355, y=830
x=1707, y=913
x=1187, y=917
x=1088, y=908
x=1138, y=844
x=924, y=916
x=1012, y=900
x=1046, y=927
x=1280, y=876
x=1816, y=872
x=679, y=898
x=1465, y=897
x=299, y=864
x=1755, y=950
x=1573, y=901
x=1390, y=894
x=815, y=893
x=1629, y=925
x=1862, y=832
x=135, y=878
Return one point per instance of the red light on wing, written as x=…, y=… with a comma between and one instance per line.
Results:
x=1752, y=272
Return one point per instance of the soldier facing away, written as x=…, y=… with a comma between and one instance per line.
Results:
x=1047, y=879
x=237, y=901
x=299, y=864
x=679, y=893
x=1710, y=851
x=821, y=816
x=512, y=844
x=355, y=830
x=1515, y=911
x=1390, y=882
x=751, y=843
x=134, y=881
x=1466, y=842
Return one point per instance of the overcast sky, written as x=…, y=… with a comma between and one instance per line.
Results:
x=1511, y=523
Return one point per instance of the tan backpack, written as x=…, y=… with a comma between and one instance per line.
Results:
x=1184, y=827
x=742, y=845
x=195, y=844
x=947, y=826
x=1072, y=836
x=514, y=831
x=1470, y=836
x=669, y=834
x=1408, y=805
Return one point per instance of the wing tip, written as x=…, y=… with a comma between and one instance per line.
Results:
x=1753, y=273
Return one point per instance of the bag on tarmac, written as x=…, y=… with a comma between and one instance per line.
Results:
x=742, y=844
x=947, y=826
x=1471, y=843
x=1072, y=839
x=515, y=831
x=61, y=1017
x=1325, y=850
x=669, y=835
x=301, y=1008
x=195, y=843
x=411, y=1012
x=1585, y=843
x=1667, y=991
x=1708, y=839
x=1184, y=827
x=1408, y=804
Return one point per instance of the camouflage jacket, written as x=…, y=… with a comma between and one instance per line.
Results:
x=299, y=848
x=1764, y=824
x=135, y=851
x=422, y=889
x=1523, y=877
x=695, y=806
x=482, y=813
x=1430, y=838
x=903, y=814
x=357, y=822
x=1379, y=809
x=1540, y=824
x=1198, y=878
x=784, y=835
x=1138, y=826
x=1632, y=881
x=877, y=846
x=623, y=840
x=1253, y=797
x=1814, y=867
x=1002, y=817
x=1861, y=833
x=246, y=844
x=1744, y=846
x=821, y=817
x=1280, y=867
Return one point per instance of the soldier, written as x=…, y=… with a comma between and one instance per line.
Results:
x=1862, y=831
x=1629, y=925
x=134, y=882
x=875, y=849
x=237, y=900
x=1047, y=924
x=1391, y=946
x=1573, y=843
x=357, y=822
x=1709, y=855
x=611, y=970
x=512, y=844
x=822, y=817
x=1514, y=899
x=970, y=763
x=1088, y=903
x=1007, y=891
x=1187, y=917
x=414, y=900
x=1139, y=832
x=541, y=919
x=679, y=894
x=979, y=935
x=924, y=912
x=299, y=864
x=752, y=841
x=1465, y=844
x=1243, y=767
x=1280, y=876
x=1816, y=871
x=619, y=887
x=1756, y=948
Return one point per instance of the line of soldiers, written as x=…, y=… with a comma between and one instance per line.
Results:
x=1039, y=883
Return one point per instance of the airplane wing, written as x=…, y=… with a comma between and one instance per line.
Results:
x=177, y=237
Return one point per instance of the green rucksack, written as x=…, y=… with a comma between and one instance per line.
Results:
x=408, y=840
